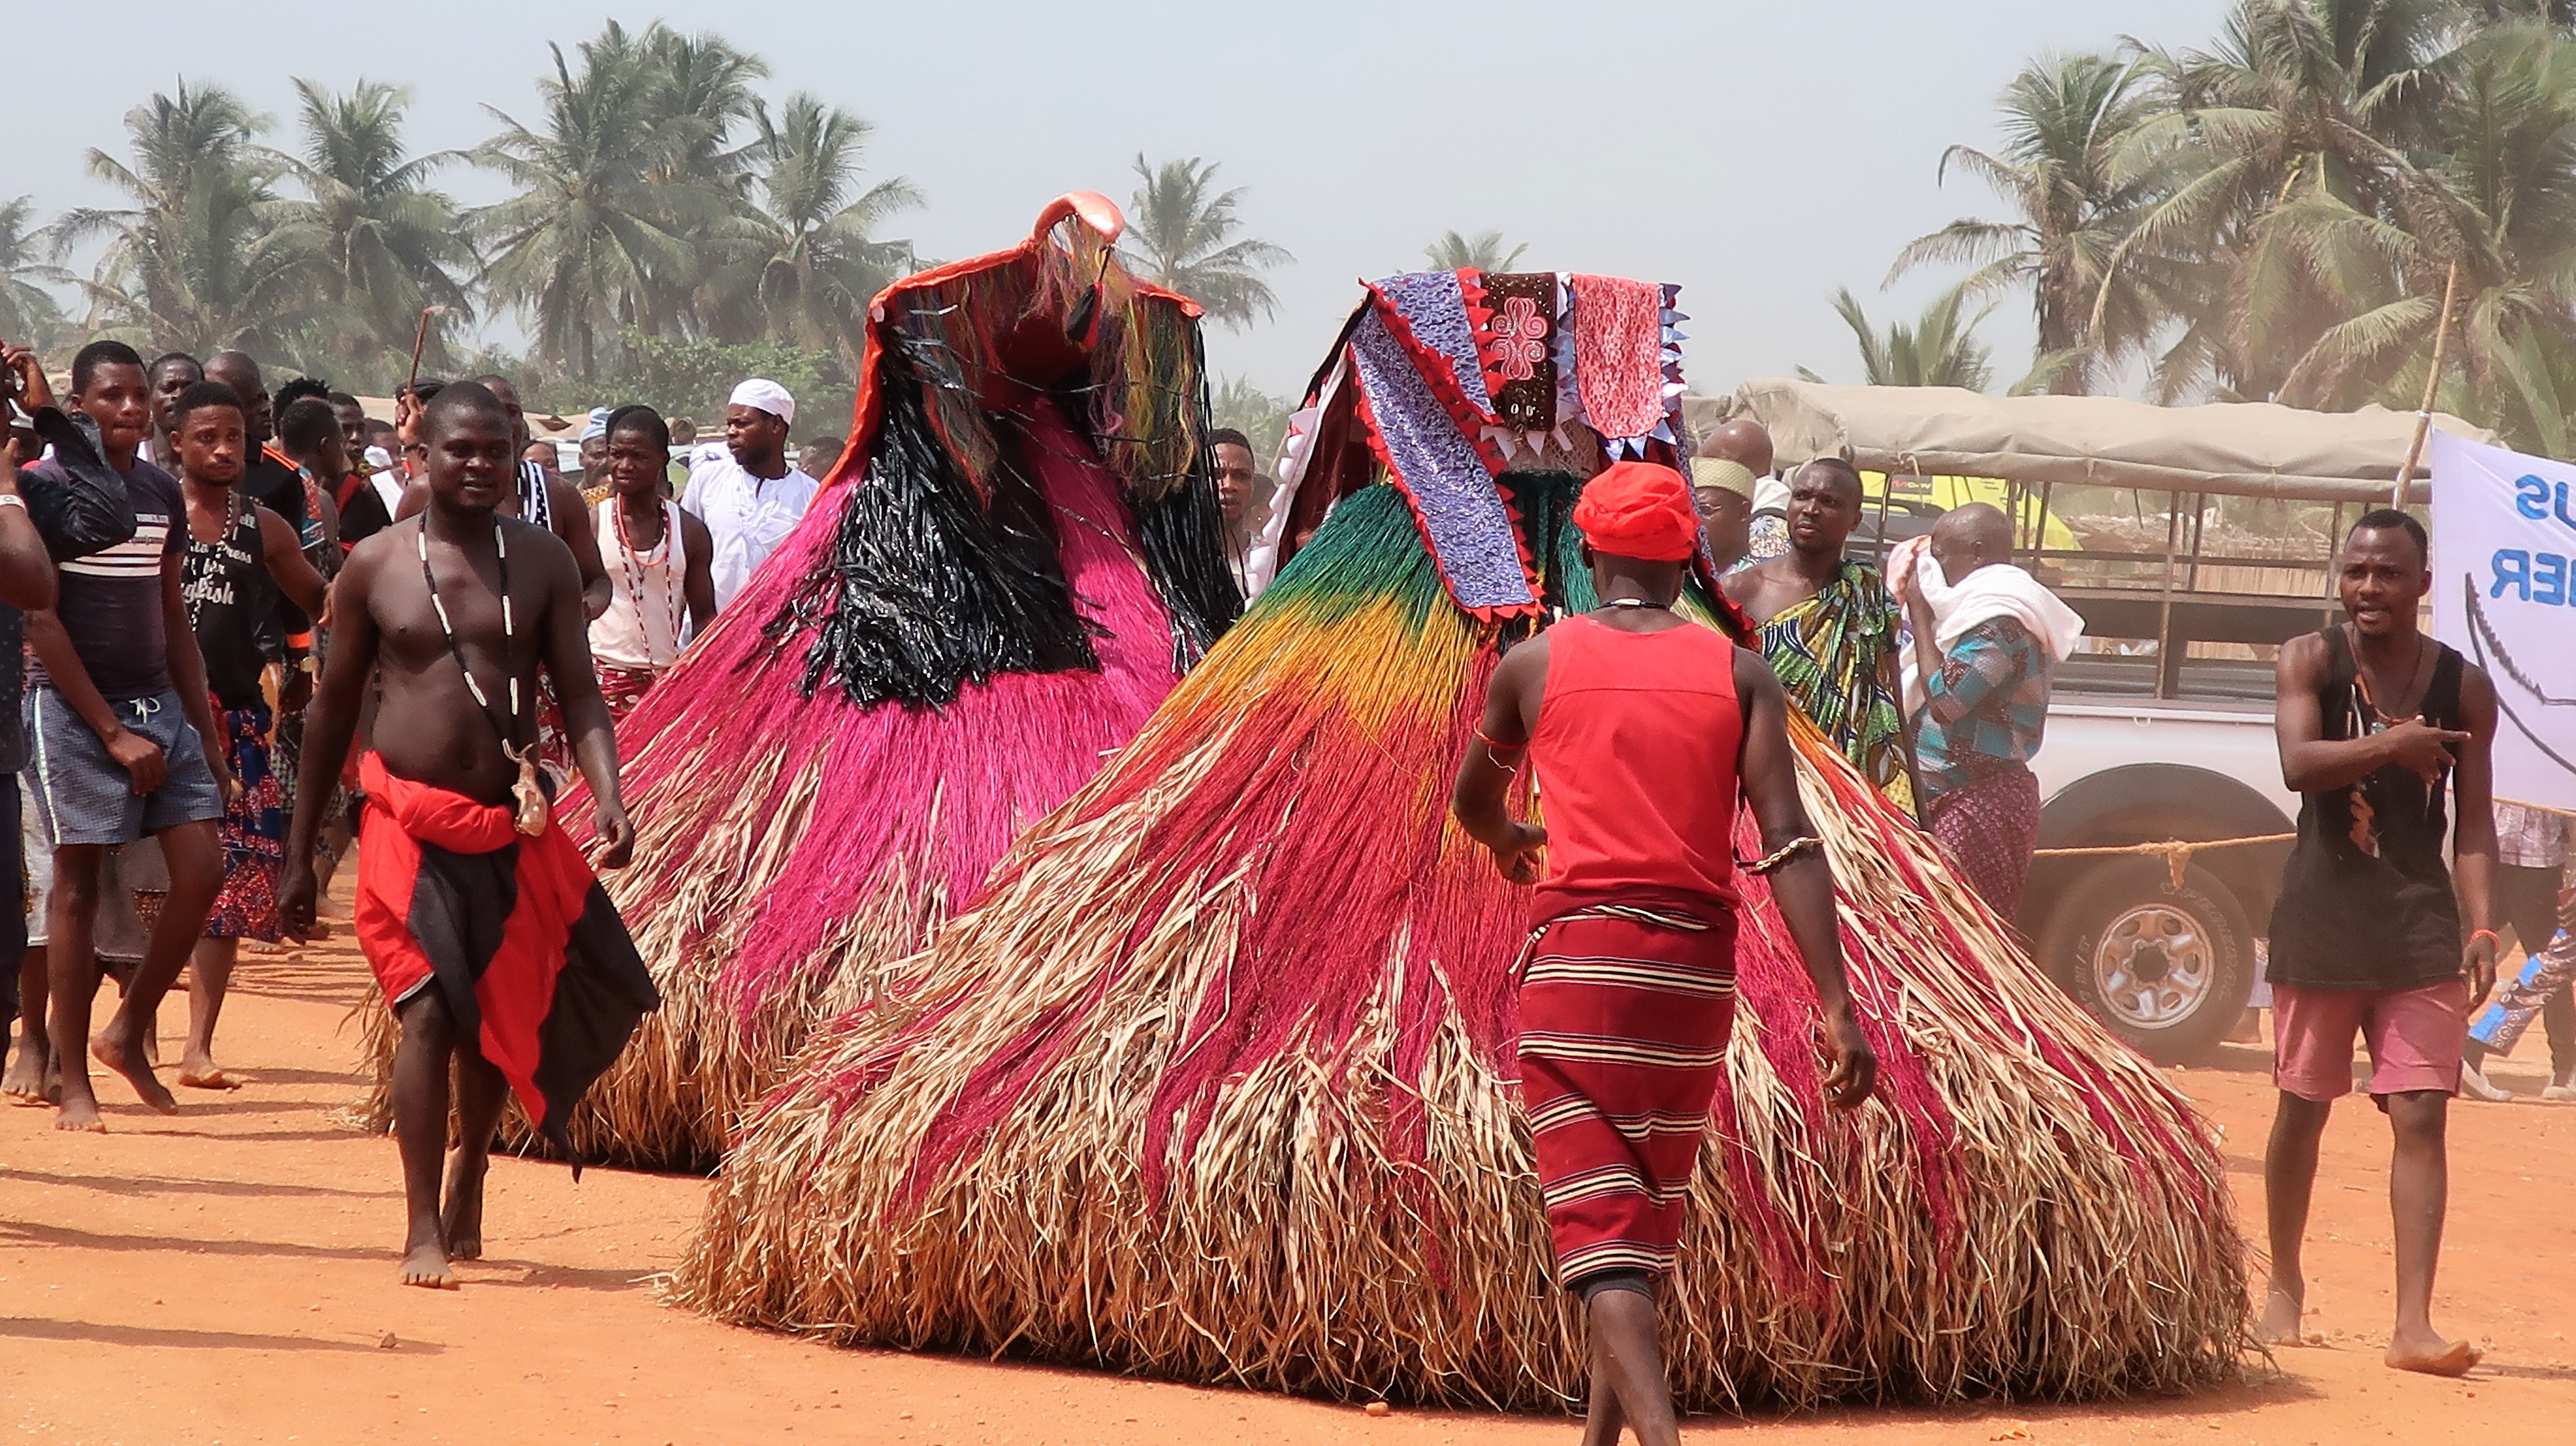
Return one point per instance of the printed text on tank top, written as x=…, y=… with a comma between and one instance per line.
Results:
x=224, y=584
x=212, y=561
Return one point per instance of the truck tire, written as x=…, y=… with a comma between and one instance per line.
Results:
x=2166, y=969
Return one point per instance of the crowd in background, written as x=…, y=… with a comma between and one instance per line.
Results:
x=174, y=526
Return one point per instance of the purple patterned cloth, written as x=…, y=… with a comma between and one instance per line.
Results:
x=1453, y=492
x=1435, y=307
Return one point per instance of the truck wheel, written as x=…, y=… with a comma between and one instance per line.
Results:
x=2166, y=969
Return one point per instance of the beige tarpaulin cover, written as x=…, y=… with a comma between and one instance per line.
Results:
x=2245, y=449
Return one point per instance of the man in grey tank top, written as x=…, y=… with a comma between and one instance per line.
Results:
x=2370, y=937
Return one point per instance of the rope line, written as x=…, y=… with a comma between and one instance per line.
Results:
x=2175, y=852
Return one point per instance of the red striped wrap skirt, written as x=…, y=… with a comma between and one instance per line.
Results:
x=1624, y=1021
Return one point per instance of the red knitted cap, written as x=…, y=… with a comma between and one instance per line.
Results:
x=1641, y=510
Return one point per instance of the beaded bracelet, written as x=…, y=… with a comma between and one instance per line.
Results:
x=1780, y=855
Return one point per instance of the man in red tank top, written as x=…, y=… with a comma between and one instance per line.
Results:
x=1639, y=727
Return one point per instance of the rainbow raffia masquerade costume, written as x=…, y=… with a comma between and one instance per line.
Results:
x=1217, y=1080
x=1014, y=559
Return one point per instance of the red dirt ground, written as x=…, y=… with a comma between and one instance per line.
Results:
x=227, y=1276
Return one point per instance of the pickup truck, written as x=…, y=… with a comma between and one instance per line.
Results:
x=2168, y=965
x=2194, y=541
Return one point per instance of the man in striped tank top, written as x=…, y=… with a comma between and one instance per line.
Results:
x=1641, y=729
x=124, y=744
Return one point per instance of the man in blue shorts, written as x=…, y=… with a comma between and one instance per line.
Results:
x=122, y=743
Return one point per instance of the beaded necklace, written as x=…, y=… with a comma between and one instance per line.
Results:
x=232, y=519
x=636, y=564
x=530, y=798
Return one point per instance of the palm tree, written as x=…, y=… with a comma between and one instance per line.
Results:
x=1237, y=403
x=2298, y=99
x=811, y=257
x=702, y=93
x=1936, y=351
x=383, y=245
x=1455, y=251
x=29, y=315
x=2501, y=205
x=2064, y=117
x=1180, y=236
x=194, y=262
x=578, y=248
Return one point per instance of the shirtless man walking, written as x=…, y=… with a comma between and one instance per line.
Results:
x=495, y=946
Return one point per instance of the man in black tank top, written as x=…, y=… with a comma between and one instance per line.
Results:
x=243, y=564
x=2368, y=935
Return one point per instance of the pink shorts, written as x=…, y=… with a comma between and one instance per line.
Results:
x=2413, y=1035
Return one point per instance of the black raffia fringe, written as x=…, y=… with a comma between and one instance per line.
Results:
x=1182, y=535
x=925, y=592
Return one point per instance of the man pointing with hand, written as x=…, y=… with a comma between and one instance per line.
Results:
x=2367, y=937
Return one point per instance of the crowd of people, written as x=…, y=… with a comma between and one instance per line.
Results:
x=177, y=501
x=244, y=609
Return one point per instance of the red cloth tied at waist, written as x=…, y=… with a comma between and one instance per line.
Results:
x=515, y=933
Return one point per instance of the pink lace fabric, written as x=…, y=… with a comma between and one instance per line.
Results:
x=1619, y=354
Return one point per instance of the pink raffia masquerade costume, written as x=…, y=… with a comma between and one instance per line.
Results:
x=1218, y=1080
x=1016, y=556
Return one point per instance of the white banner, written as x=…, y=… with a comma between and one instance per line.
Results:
x=2504, y=593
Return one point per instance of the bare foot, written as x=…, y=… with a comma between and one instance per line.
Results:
x=462, y=1221
x=26, y=1080
x=427, y=1267
x=2432, y=1356
x=119, y=1055
x=81, y=1115
x=202, y=1073
x=2280, y=1323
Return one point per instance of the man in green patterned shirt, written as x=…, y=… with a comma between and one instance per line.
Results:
x=1828, y=628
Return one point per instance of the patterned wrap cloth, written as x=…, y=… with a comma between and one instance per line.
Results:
x=1987, y=828
x=252, y=831
x=1624, y=1021
x=623, y=688
x=1826, y=651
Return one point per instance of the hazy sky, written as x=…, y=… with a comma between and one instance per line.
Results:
x=1760, y=155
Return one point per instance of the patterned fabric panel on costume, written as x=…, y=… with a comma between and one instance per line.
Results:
x=1624, y=1021
x=1434, y=307
x=1452, y=490
x=1517, y=344
x=1826, y=651
x=1988, y=828
x=1619, y=354
x=252, y=832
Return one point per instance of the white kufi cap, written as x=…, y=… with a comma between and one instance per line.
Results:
x=767, y=395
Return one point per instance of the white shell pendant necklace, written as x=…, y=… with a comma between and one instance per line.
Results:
x=531, y=800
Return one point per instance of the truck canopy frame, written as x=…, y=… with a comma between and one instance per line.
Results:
x=2239, y=449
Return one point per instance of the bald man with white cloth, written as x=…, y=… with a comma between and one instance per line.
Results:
x=749, y=497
